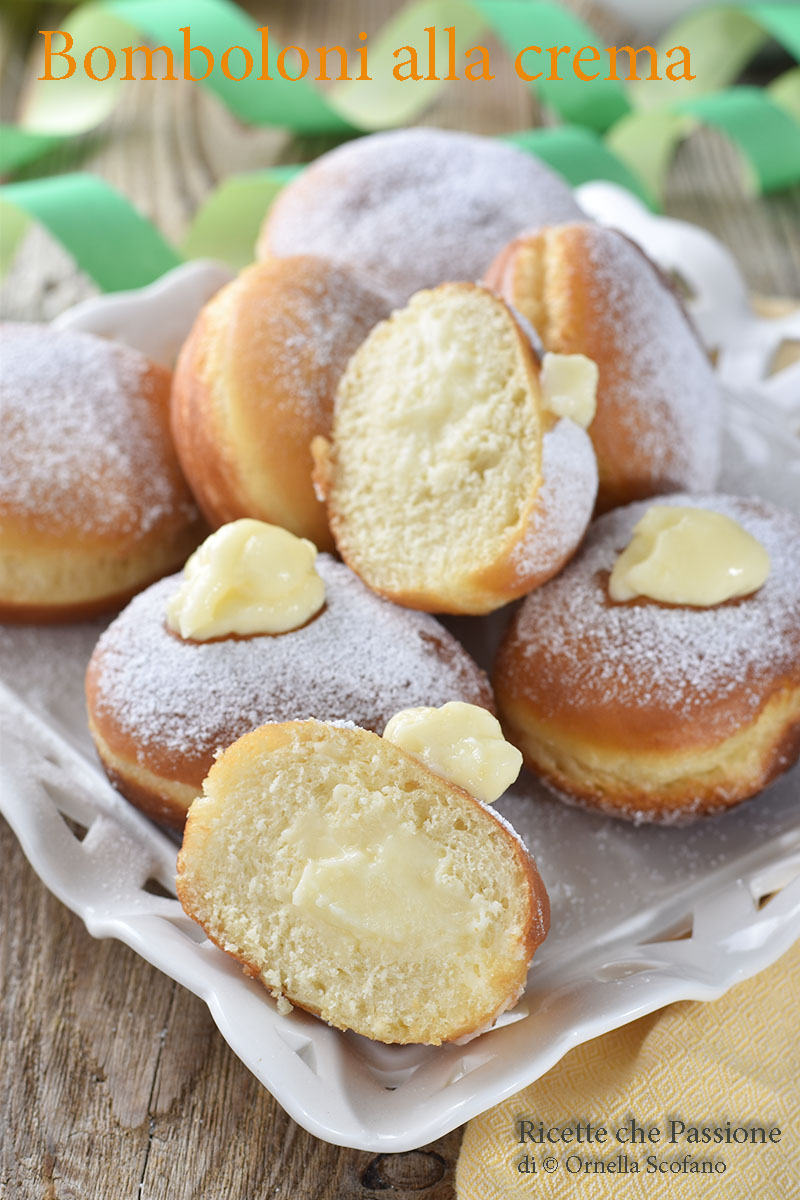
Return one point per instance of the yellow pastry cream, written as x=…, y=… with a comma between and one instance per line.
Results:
x=462, y=742
x=690, y=556
x=247, y=578
x=569, y=386
x=394, y=885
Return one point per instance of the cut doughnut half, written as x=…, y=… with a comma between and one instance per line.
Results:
x=450, y=487
x=357, y=884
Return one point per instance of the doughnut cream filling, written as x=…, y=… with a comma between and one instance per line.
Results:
x=374, y=882
x=569, y=386
x=247, y=578
x=688, y=556
x=435, y=420
x=393, y=883
x=462, y=742
x=358, y=885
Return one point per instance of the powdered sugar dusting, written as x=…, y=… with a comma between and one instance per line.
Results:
x=680, y=659
x=565, y=502
x=308, y=332
x=659, y=367
x=416, y=207
x=83, y=446
x=361, y=660
x=509, y=828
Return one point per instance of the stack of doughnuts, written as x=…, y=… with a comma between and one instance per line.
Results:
x=434, y=375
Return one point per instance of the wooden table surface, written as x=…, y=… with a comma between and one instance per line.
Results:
x=117, y=1085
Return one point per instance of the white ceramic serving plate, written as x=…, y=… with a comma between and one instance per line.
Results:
x=640, y=916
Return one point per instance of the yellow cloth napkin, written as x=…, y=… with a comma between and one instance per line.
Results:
x=734, y=1060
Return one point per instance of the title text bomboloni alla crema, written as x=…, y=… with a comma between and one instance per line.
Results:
x=436, y=58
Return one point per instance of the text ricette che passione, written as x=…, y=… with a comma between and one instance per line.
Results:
x=436, y=57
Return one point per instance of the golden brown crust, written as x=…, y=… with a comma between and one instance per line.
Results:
x=161, y=561
x=689, y=783
x=241, y=759
x=119, y=514
x=192, y=421
x=150, y=694
x=255, y=383
x=651, y=711
x=163, y=782
x=648, y=354
x=544, y=538
x=164, y=796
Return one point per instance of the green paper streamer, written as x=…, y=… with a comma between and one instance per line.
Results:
x=13, y=225
x=782, y=21
x=18, y=147
x=226, y=225
x=218, y=24
x=120, y=249
x=785, y=92
x=767, y=135
x=647, y=143
x=116, y=246
x=722, y=38
x=76, y=104
x=387, y=102
x=763, y=131
x=580, y=156
x=360, y=104
x=721, y=41
x=595, y=104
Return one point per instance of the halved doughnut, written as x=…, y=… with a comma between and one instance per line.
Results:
x=450, y=488
x=357, y=884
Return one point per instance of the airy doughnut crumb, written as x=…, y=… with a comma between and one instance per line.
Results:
x=447, y=489
x=359, y=885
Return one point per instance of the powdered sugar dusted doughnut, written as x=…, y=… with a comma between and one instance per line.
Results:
x=415, y=207
x=160, y=707
x=592, y=291
x=255, y=383
x=93, y=505
x=653, y=711
x=450, y=487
